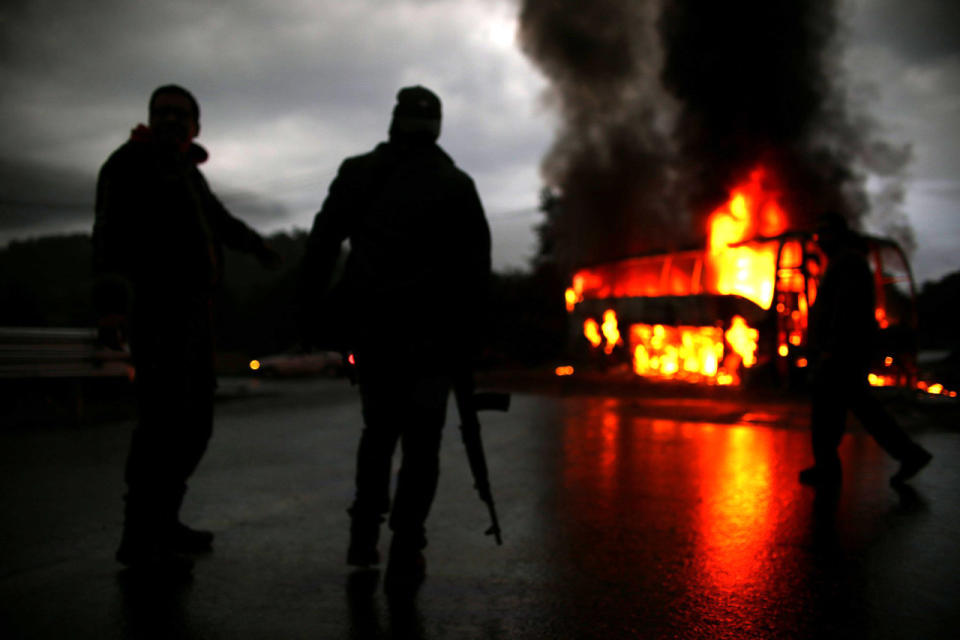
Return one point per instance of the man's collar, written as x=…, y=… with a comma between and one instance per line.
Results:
x=194, y=152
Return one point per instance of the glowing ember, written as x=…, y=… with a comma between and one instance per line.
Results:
x=877, y=380
x=935, y=389
x=746, y=270
x=566, y=370
x=882, y=320
x=931, y=388
x=254, y=365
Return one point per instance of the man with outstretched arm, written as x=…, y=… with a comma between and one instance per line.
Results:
x=158, y=243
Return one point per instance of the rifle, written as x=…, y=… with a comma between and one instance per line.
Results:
x=469, y=403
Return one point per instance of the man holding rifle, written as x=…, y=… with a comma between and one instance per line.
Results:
x=413, y=289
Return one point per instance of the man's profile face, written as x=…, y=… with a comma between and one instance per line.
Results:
x=172, y=119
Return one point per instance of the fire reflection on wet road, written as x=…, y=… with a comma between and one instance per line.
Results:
x=623, y=517
x=701, y=529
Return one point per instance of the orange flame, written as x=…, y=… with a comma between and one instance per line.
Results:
x=684, y=352
x=610, y=330
x=694, y=354
x=743, y=340
x=737, y=261
x=591, y=331
x=746, y=270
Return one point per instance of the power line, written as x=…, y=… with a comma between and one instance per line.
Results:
x=513, y=213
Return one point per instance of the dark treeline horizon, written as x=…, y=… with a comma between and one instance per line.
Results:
x=47, y=281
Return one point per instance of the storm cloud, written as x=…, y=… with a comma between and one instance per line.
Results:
x=287, y=90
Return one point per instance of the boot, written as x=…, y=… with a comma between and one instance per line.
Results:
x=911, y=465
x=406, y=567
x=364, y=533
x=149, y=554
x=821, y=476
x=183, y=539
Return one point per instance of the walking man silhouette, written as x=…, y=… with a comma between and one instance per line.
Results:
x=843, y=331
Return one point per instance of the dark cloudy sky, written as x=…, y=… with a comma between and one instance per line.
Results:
x=289, y=88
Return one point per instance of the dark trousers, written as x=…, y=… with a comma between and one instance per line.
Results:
x=409, y=408
x=175, y=381
x=839, y=387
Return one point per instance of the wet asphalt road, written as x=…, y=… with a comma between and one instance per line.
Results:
x=623, y=517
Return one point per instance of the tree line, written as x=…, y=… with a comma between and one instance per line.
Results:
x=48, y=282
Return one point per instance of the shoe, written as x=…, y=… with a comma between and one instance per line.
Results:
x=364, y=534
x=187, y=540
x=151, y=558
x=910, y=466
x=405, y=573
x=821, y=477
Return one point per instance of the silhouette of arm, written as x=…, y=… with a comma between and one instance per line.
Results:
x=233, y=232
x=331, y=226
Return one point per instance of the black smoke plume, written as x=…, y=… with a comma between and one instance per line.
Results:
x=666, y=105
x=610, y=162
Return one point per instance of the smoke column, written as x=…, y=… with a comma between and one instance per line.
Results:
x=610, y=161
x=665, y=105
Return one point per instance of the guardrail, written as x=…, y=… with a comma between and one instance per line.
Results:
x=54, y=363
x=28, y=352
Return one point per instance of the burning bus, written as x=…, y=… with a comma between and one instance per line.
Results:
x=715, y=315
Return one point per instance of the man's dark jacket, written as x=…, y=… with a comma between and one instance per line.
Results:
x=159, y=231
x=843, y=325
x=415, y=279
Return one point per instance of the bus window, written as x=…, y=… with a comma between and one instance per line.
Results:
x=895, y=295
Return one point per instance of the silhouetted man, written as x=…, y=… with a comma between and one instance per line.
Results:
x=843, y=333
x=158, y=252
x=414, y=283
